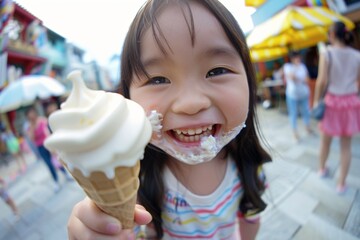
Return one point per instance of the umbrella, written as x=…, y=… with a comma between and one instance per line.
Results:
x=27, y=89
x=295, y=28
x=254, y=3
x=267, y=54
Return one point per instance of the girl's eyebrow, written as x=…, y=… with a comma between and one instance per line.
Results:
x=152, y=61
x=211, y=52
x=220, y=51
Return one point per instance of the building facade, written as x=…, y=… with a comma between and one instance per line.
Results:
x=27, y=47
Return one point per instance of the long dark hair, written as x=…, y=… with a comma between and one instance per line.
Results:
x=341, y=33
x=245, y=149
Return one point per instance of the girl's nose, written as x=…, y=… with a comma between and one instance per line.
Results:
x=191, y=101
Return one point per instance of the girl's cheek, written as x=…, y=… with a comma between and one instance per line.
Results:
x=152, y=106
x=148, y=107
x=147, y=101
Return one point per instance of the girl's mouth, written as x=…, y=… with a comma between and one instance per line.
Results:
x=192, y=135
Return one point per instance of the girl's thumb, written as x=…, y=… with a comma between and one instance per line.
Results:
x=142, y=217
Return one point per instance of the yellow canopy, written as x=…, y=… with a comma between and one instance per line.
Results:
x=295, y=28
x=267, y=54
x=254, y=3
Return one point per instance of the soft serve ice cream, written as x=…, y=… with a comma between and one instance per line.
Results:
x=97, y=130
x=101, y=137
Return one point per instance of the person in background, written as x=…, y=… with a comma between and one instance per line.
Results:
x=278, y=72
x=188, y=60
x=277, y=75
x=29, y=142
x=270, y=93
x=50, y=108
x=339, y=72
x=38, y=131
x=13, y=147
x=297, y=92
x=7, y=198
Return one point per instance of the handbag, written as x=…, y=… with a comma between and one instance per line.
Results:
x=318, y=111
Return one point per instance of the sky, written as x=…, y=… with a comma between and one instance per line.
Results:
x=99, y=26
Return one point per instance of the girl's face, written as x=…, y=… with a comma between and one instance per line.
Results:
x=201, y=88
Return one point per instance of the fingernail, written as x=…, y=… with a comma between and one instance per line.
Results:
x=113, y=228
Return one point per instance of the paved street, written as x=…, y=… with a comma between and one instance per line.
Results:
x=301, y=205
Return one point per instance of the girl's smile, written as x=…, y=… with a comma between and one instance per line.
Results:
x=192, y=136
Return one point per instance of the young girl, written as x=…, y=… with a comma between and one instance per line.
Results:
x=339, y=73
x=188, y=61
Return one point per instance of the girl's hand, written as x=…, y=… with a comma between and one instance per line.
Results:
x=87, y=221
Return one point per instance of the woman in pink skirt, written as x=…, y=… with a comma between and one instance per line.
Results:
x=339, y=71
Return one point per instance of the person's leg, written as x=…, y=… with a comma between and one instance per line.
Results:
x=305, y=113
x=66, y=173
x=292, y=111
x=9, y=201
x=46, y=155
x=21, y=161
x=324, y=153
x=58, y=165
x=63, y=170
x=32, y=147
x=266, y=97
x=345, y=159
x=12, y=205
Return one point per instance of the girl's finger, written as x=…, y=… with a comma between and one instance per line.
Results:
x=78, y=231
x=95, y=219
x=142, y=216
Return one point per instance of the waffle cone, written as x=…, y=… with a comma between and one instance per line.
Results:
x=117, y=196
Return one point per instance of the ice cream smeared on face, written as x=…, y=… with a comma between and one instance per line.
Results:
x=208, y=143
x=94, y=129
x=155, y=119
x=208, y=148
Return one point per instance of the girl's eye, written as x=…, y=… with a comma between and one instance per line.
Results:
x=217, y=71
x=158, y=80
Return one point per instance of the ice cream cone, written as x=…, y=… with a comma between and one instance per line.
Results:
x=117, y=196
x=101, y=137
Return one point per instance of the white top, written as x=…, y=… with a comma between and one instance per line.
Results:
x=344, y=70
x=296, y=87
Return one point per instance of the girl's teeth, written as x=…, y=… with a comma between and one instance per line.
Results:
x=192, y=135
x=195, y=138
x=198, y=131
x=191, y=132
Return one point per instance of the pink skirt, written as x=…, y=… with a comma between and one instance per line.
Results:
x=342, y=115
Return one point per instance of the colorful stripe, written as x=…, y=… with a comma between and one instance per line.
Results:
x=183, y=218
x=200, y=234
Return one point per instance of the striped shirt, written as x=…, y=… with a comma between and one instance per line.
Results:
x=186, y=215
x=189, y=216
